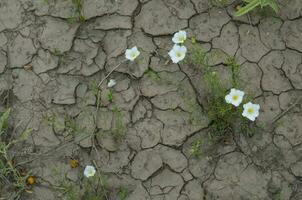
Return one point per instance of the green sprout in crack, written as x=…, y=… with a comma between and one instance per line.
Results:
x=123, y=193
x=110, y=96
x=153, y=75
x=72, y=127
x=235, y=69
x=57, y=52
x=96, y=92
x=78, y=16
x=195, y=148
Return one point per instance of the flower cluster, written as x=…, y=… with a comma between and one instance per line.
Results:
x=250, y=110
x=178, y=52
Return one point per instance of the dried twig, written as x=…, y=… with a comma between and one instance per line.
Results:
x=287, y=110
x=115, y=68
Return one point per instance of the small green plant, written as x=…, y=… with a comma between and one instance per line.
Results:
x=13, y=178
x=93, y=188
x=235, y=69
x=57, y=52
x=110, y=96
x=195, y=148
x=78, y=17
x=225, y=118
x=153, y=75
x=67, y=127
x=123, y=193
x=277, y=195
x=96, y=91
x=252, y=4
x=71, y=126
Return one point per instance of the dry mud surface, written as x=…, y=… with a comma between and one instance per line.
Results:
x=48, y=66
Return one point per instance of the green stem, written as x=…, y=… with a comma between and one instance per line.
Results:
x=250, y=6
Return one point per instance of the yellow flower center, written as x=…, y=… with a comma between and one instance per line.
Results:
x=181, y=39
x=74, y=163
x=235, y=97
x=133, y=55
x=250, y=110
x=178, y=54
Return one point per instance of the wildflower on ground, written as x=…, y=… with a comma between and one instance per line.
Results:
x=179, y=37
x=73, y=163
x=132, y=53
x=111, y=83
x=177, y=53
x=251, y=111
x=234, y=97
x=89, y=171
x=30, y=180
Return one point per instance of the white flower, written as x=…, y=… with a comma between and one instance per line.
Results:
x=132, y=53
x=89, y=171
x=234, y=97
x=111, y=83
x=177, y=53
x=179, y=37
x=251, y=111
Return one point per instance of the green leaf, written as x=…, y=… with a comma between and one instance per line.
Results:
x=24, y=135
x=3, y=121
x=250, y=6
x=274, y=6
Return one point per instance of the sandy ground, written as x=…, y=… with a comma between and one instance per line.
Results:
x=50, y=65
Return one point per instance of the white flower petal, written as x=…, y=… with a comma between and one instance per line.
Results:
x=111, y=83
x=251, y=111
x=89, y=171
x=235, y=97
x=132, y=54
x=177, y=53
x=179, y=37
x=228, y=98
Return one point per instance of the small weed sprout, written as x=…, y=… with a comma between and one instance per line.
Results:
x=78, y=16
x=153, y=75
x=97, y=93
x=195, y=148
x=67, y=128
x=110, y=96
x=71, y=127
x=123, y=193
x=57, y=52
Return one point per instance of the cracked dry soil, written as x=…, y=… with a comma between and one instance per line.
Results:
x=48, y=66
